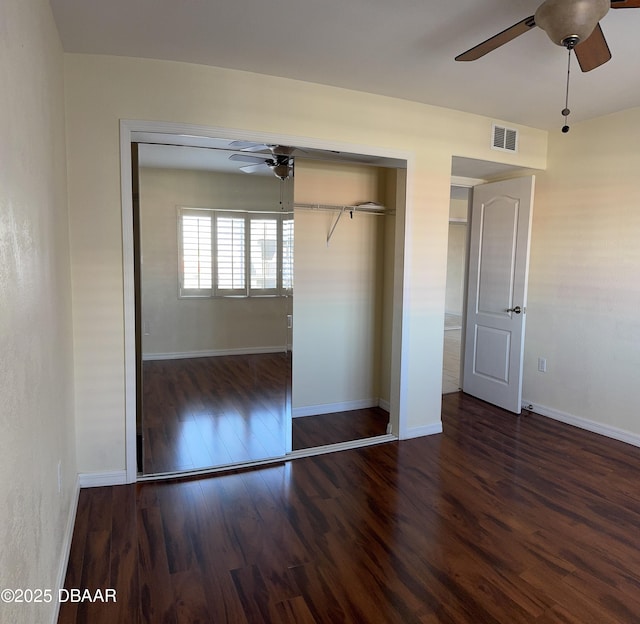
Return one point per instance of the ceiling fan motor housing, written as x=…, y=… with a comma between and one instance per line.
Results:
x=281, y=167
x=569, y=22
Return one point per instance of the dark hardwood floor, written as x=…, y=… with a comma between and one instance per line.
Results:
x=204, y=412
x=312, y=431
x=501, y=520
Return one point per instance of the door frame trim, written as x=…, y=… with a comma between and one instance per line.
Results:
x=127, y=129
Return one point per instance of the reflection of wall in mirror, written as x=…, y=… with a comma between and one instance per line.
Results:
x=181, y=326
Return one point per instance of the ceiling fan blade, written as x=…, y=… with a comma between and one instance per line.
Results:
x=271, y=150
x=497, y=40
x=247, y=145
x=625, y=4
x=257, y=147
x=254, y=168
x=593, y=51
x=247, y=158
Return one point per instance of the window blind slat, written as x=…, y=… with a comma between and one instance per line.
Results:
x=230, y=257
x=264, y=260
x=196, y=252
x=287, y=254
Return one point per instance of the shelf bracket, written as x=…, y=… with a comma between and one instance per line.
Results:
x=335, y=223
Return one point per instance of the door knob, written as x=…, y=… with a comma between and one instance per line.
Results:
x=517, y=309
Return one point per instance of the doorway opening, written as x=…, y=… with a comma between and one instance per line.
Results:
x=487, y=267
x=456, y=285
x=151, y=343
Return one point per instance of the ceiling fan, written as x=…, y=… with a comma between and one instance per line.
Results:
x=573, y=24
x=280, y=160
x=280, y=164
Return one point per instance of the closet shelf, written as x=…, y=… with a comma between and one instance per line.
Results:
x=370, y=207
x=366, y=207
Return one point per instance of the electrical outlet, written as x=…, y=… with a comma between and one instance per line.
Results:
x=542, y=365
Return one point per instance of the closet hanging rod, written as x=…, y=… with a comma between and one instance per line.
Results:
x=368, y=207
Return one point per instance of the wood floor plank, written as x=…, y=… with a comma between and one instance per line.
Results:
x=156, y=598
x=253, y=593
x=191, y=602
x=96, y=575
x=292, y=611
x=73, y=577
x=124, y=556
x=176, y=508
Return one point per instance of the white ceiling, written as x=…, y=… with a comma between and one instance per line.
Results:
x=213, y=155
x=180, y=151
x=191, y=158
x=400, y=48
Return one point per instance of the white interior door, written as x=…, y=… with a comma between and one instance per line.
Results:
x=497, y=292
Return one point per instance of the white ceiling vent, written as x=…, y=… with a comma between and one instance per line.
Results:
x=504, y=139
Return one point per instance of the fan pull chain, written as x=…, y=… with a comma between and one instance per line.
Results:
x=565, y=110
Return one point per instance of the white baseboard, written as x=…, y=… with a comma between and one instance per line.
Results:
x=182, y=355
x=584, y=423
x=418, y=432
x=66, y=548
x=330, y=408
x=99, y=479
x=384, y=404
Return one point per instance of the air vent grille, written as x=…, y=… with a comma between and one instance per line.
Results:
x=505, y=139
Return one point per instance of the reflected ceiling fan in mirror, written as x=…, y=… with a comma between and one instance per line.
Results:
x=278, y=158
x=275, y=150
x=280, y=165
x=574, y=24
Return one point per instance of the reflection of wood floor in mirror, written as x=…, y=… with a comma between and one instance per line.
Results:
x=211, y=411
x=204, y=412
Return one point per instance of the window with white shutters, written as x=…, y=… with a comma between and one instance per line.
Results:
x=234, y=253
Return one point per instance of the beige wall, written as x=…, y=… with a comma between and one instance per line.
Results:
x=101, y=90
x=192, y=325
x=36, y=389
x=584, y=288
